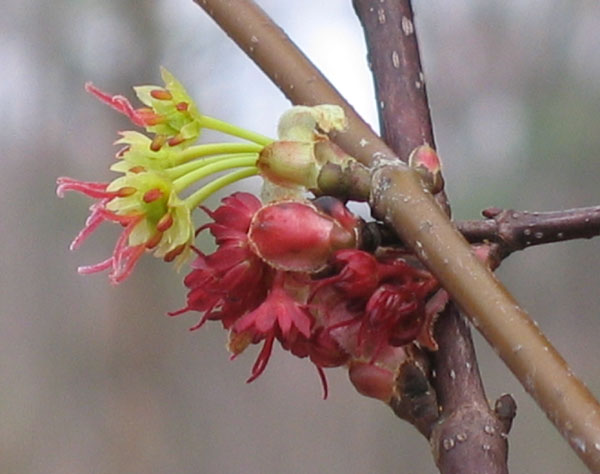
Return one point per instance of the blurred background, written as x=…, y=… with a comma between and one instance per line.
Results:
x=95, y=378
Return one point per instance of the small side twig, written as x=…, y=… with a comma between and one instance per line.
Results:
x=514, y=230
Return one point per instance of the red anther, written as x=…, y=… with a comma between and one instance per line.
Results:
x=154, y=240
x=170, y=256
x=161, y=94
x=182, y=106
x=137, y=169
x=164, y=222
x=126, y=191
x=148, y=117
x=157, y=142
x=152, y=195
x=176, y=140
x=122, y=151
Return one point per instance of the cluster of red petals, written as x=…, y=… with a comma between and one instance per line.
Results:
x=367, y=308
x=374, y=302
x=233, y=280
x=124, y=257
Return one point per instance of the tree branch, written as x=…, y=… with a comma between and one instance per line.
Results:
x=469, y=437
x=400, y=199
x=511, y=230
x=516, y=230
x=467, y=423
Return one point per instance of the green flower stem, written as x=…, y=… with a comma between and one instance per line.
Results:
x=229, y=129
x=199, y=151
x=185, y=168
x=221, y=165
x=204, y=192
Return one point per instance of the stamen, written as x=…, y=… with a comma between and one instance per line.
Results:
x=154, y=240
x=176, y=140
x=125, y=191
x=149, y=117
x=137, y=169
x=170, y=256
x=152, y=195
x=161, y=94
x=122, y=151
x=157, y=142
x=182, y=106
x=164, y=222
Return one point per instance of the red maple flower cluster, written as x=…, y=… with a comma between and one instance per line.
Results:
x=266, y=282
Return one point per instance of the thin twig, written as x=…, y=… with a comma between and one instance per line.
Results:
x=516, y=230
x=513, y=230
x=400, y=199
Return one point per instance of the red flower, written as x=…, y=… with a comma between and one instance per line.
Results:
x=372, y=303
x=233, y=280
x=280, y=317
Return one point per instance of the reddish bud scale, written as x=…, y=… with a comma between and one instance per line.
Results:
x=294, y=236
x=371, y=380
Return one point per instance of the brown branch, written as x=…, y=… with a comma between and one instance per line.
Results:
x=469, y=437
x=516, y=230
x=466, y=438
x=511, y=230
x=400, y=199
x=399, y=81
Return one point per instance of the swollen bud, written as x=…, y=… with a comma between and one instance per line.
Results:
x=296, y=236
x=289, y=164
x=371, y=380
x=425, y=161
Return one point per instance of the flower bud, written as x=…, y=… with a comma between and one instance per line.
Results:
x=425, y=161
x=371, y=380
x=295, y=236
x=289, y=163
